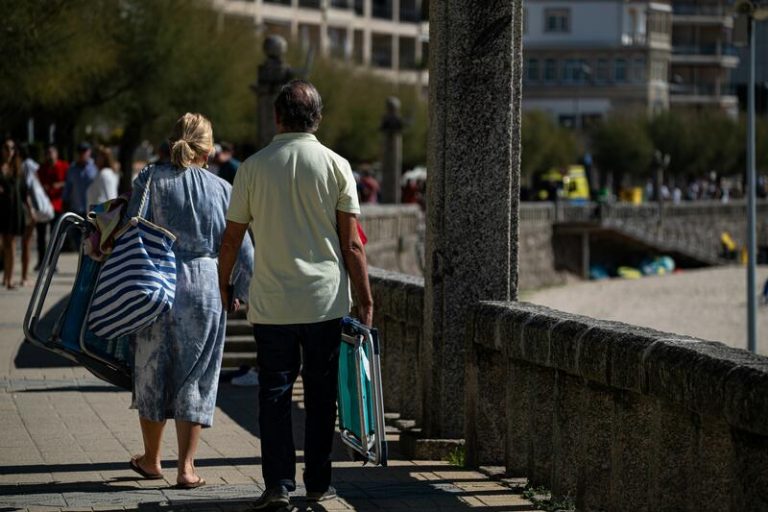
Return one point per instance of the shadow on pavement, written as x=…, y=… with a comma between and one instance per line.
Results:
x=112, y=466
x=94, y=388
x=31, y=356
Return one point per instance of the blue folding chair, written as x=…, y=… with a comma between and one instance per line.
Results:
x=109, y=360
x=361, y=401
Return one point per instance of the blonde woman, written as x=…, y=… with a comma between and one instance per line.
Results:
x=178, y=358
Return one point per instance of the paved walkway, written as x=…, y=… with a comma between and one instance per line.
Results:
x=66, y=438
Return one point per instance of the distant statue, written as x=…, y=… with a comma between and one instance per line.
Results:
x=392, y=151
x=273, y=74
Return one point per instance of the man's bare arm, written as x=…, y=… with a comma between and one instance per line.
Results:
x=353, y=253
x=230, y=248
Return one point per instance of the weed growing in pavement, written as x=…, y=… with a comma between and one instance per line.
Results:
x=542, y=499
x=457, y=457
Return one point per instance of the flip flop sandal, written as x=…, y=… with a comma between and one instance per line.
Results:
x=149, y=476
x=190, y=485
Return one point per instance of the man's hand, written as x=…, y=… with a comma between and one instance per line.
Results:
x=230, y=247
x=366, y=314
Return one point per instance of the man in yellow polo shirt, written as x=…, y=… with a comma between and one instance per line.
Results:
x=300, y=200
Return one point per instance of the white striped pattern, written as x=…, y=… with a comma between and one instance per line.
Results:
x=136, y=284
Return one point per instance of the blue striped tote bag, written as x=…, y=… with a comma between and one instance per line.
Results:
x=137, y=283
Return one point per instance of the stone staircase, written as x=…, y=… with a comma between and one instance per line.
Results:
x=239, y=347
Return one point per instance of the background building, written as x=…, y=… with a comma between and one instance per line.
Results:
x=740, y=74
x=585, y=58
x=703, y=55
x=389, y=36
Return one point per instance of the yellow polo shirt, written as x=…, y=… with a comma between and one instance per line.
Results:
x=289, y=193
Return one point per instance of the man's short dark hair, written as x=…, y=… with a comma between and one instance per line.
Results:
x=299, y=107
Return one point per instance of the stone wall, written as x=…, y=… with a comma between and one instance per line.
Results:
x=396, y=234
x=395, y=237
x=615, y=416
x=398, y=314
x=536, y=255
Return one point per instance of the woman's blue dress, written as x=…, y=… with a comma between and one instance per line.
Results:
x=178, y=358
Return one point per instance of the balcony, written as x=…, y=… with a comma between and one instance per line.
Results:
x=711, y=54
x=702, y=14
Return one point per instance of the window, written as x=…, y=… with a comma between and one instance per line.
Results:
x=557, y=20
x=575, y=71
x=381, y=50
x=337, y=40
x=532, y=73
x=407, y=53
x=550, y=70
x=638, y=70
x=603, y=71
x=620, y=70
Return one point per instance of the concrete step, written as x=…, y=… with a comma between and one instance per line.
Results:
x=238, y=359
x=239, y=327
x=239, y=344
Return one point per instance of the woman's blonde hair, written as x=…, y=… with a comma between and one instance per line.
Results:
x=192, y=137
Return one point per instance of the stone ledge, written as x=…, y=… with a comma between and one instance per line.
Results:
x=703, y=376
x=392, y=210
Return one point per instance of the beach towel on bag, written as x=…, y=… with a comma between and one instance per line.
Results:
x=137, y=283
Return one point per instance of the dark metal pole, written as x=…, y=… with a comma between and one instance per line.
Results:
x=751, y=199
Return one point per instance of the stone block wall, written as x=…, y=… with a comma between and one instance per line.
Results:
x=615, y=416
x=395, y=237
x=536, y=256
x=398, y=314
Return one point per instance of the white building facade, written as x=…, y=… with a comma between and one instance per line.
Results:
x=703, y=56
x=388, y=36
x=583, y=59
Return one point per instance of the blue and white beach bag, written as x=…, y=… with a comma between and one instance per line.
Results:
x=138, y=281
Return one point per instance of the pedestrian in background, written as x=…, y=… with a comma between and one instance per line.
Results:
x=80, y=175
x=29, y=168
x=106, y=184
x=300, y=201
x=15, y=207
x=178, y=358
x=227, y=163
x=53, y=176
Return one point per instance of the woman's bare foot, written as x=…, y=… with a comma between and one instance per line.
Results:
x=188, y=477
x=146, y=469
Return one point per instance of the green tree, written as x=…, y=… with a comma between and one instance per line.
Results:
x=698, y=142
x=545, y=145
x=622, y=147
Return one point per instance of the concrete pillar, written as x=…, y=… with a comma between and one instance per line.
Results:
x=392, y=152
x=473, y=186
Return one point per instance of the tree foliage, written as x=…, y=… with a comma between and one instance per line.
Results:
x=136, y=65
x=621, y=146
x=545, y=145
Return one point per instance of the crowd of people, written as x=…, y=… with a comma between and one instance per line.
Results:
x=34, y=194
x=707, y=188
x=92, y=177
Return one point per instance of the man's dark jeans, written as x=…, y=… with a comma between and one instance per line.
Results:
x=281, y=351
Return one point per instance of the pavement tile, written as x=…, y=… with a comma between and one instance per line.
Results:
x=67, y=437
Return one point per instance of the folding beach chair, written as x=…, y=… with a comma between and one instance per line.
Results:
x=109, y=360
x=361, y=402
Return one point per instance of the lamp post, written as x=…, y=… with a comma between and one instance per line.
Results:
x=750, y=12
